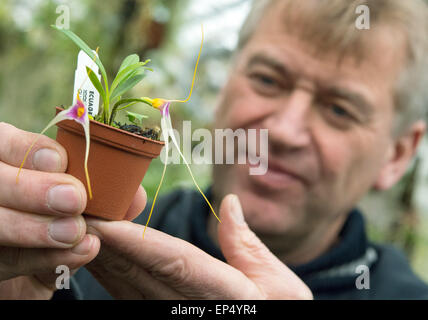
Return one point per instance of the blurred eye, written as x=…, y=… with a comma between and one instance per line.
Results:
x=265, y=84
x=264, y=80
x=339, y=111
x=338, y=115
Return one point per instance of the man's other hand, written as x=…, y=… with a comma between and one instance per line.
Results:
x=165, y=267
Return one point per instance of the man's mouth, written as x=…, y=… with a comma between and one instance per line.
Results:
x=278, y=177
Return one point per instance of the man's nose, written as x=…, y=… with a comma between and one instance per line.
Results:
x=289, y=124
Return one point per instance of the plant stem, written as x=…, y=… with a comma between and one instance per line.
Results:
x=130, y=102
x=107, y=102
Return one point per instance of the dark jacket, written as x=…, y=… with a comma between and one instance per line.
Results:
x=333, y=275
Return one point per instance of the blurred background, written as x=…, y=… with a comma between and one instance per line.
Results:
x=37, y=67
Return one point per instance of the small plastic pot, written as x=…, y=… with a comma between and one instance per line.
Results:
x=118, y=161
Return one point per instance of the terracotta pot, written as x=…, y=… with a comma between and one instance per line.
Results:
x=118, y=161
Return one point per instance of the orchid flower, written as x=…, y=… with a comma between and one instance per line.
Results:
x=163, y=106
x=79, y=113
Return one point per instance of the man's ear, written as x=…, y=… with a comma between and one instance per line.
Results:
x=399, y=156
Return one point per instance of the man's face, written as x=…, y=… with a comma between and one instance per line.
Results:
x=329, y=127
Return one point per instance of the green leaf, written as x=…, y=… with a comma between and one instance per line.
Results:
x=131, y=59
x=125, y=73
x=136, y=118
x=127, y=106
x=128, y=84
x=83, y=46
x=96, y=82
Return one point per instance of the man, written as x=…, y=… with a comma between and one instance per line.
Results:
x=343, y=109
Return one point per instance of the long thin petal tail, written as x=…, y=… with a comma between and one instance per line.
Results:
x=174, y=141
x=194, y=71
x=165, y=132
x=59, y=117
x=88, y=140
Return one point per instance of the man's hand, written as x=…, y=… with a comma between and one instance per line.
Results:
x=164, y=267
x=41, y=224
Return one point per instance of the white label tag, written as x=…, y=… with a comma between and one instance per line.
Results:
x=87, y=92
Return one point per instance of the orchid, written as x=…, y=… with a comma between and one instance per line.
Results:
x=163, y=106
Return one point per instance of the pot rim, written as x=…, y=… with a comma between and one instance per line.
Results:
x=118, y=130
x=133, y=147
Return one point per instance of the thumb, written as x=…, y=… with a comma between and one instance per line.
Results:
x=244, y=251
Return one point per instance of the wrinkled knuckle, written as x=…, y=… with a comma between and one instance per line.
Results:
x=25, y=191
x=32, y=229
x=119, y=266
x=126, y=268
x=10, y=141
x=251, y=242
x=175, y=272
x=12, y=234
x=19, y=236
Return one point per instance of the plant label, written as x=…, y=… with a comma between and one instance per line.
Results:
x=83, y=85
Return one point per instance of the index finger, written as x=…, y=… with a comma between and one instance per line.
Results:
x=170, y=260
x=46, y=155
x=127, y=237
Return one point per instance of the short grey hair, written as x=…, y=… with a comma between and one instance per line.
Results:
x=330, y=26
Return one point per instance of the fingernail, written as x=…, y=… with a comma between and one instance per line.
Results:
x=64, y=198
x=65, y=230
x=47, y=160
x=84, y=247
x=236, y=209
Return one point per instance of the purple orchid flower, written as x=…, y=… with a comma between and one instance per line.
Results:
x=78, y=113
